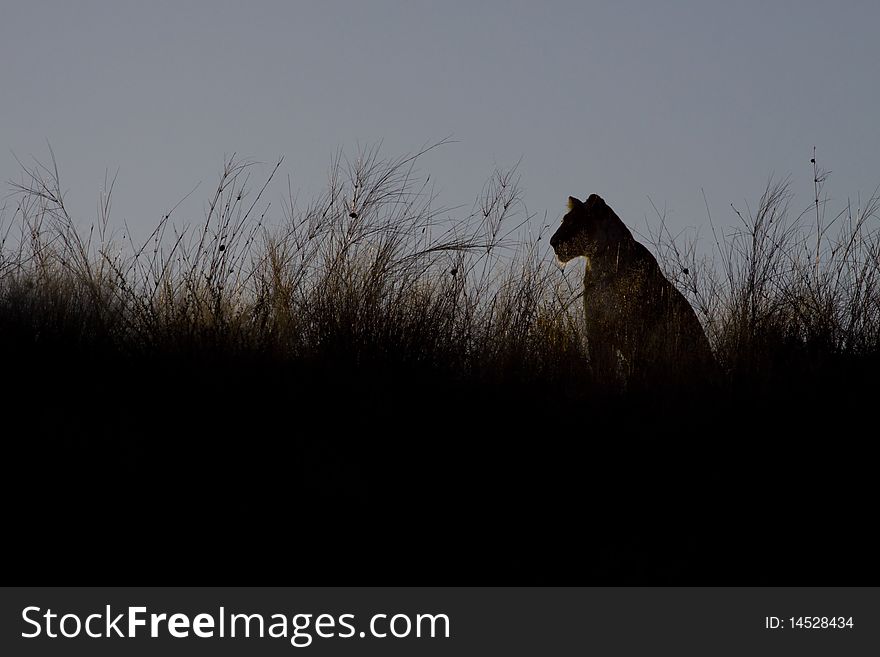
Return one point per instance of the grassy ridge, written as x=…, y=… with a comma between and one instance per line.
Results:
x=380, y=382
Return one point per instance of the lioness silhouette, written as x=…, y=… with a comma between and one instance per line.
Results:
x=639, y=326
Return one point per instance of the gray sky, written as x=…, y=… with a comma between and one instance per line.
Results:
x=626, y=99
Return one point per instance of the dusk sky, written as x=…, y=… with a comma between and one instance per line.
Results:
x=629, y=100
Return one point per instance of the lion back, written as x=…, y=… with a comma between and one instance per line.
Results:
x=652, y=323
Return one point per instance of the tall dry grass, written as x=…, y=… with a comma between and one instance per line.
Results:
x=784, y=292
x=372, y=270
x=376, y=271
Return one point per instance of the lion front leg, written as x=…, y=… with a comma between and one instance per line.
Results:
x=603, y=360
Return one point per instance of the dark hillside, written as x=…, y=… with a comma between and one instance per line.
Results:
x=347, y=401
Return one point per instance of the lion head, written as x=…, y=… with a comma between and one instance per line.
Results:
x=588, y=228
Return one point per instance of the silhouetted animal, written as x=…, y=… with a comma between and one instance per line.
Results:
x=638, y=324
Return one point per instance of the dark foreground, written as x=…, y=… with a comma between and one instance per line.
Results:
x=238, y=469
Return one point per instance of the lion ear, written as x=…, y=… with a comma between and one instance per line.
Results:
x=574, y=204
x=595, y=201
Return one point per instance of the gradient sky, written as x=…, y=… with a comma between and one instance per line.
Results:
x=630, y=100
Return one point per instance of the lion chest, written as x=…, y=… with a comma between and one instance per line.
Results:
x=624, y=308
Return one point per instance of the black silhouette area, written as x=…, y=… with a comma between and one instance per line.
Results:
x=207, y=465
x=324, y=435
